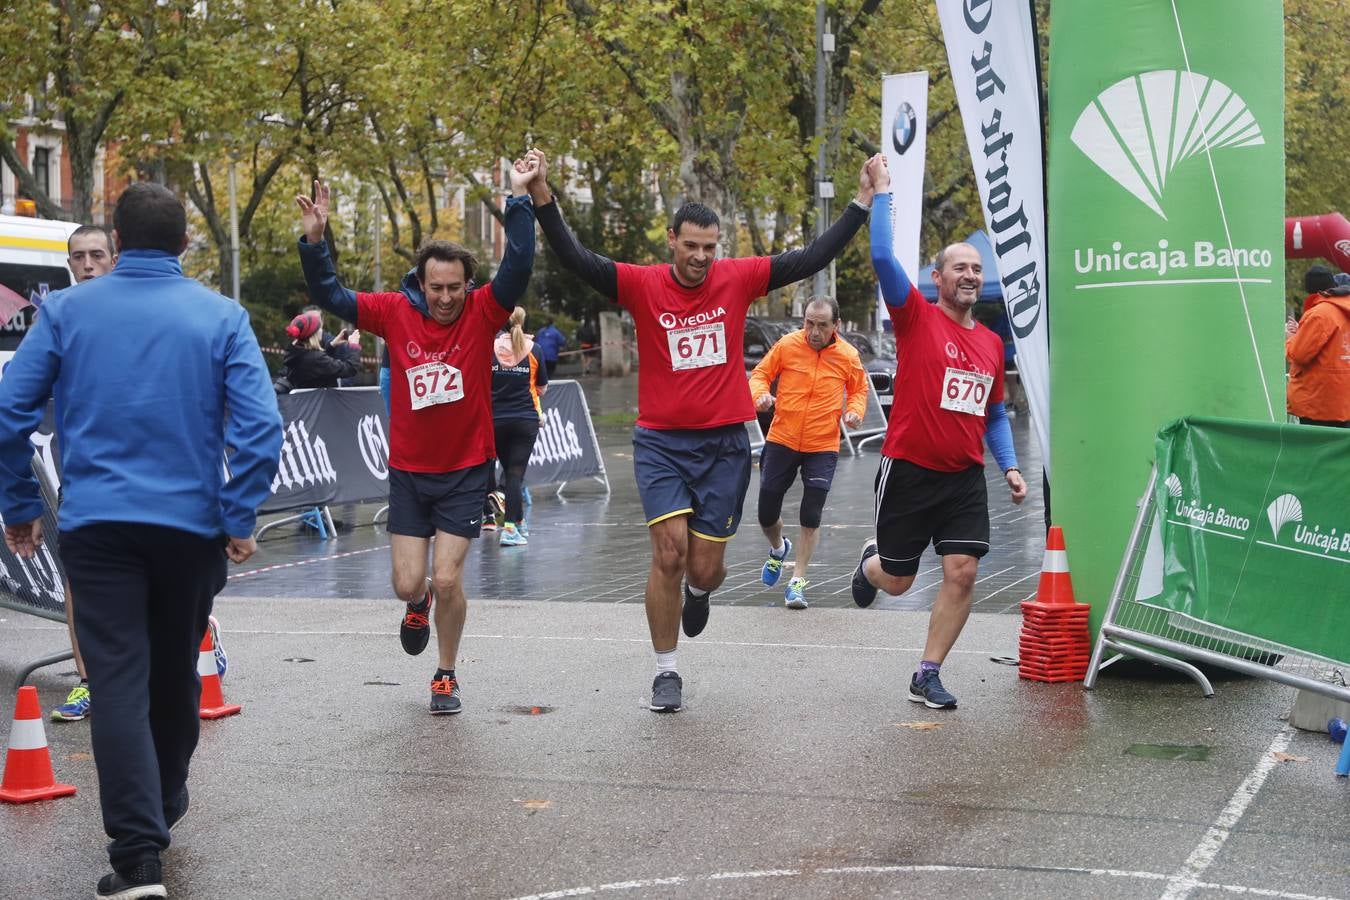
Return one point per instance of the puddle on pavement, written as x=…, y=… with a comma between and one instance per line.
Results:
x=1180, y=752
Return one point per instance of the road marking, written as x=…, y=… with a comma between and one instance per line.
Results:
x=862, y=871
x=1202, y=857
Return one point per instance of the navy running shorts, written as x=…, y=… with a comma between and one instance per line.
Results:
x=703, y=473
x=778, y=467
x=422, y=503
x=915, y=506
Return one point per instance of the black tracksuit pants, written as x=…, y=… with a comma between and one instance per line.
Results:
x=145, y=592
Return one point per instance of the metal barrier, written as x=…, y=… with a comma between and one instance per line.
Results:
x=872, y=427
x=37, y=586
x=1170, y=639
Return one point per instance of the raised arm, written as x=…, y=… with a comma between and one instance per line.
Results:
x=596, y=270
x=513, y=275
x=895, y=284
x=320, y=274
x=794, y=265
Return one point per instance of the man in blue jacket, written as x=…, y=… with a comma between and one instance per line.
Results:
x=550, y=342
x=148, y=519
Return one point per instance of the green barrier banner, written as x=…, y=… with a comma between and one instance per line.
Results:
x=1166, y=259
x=1255, y=530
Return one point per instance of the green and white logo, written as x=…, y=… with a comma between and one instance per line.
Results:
x=1284, y=508
x=1141, y=128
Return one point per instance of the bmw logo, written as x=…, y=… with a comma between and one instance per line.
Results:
x=904, y=128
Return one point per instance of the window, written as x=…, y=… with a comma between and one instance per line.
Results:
x=42, y=169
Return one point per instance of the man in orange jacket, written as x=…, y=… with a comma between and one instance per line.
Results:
x=1318, y=349
x=818, y=375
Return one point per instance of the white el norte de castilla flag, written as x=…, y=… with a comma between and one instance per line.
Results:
x=992, y=54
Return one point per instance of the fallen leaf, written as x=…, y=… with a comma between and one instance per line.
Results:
x=79, y=757
x=537, y=804
x=920, y=726
x=1288, y=757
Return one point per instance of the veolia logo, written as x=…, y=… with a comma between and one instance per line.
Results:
x=1141, y=128
x=1344, y=247
x=667, y=320
x=1285, y=508
x=904, y=128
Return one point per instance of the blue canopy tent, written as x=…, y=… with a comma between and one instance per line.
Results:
x=992, y=290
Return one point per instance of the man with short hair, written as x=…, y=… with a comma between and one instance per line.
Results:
x=148, y=519
x=930, y=487
x=550, y=342
x=817, y=373
x=89, y=254
x=691, y=454
x=1318, y=349
x=439, y=331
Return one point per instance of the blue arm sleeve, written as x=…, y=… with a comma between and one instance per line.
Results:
x=998, y=436
x=513, y=275
x=253, y=432
x=23, y=396
x=895, y=284
x=322, y=281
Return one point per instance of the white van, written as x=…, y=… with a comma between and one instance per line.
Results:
x=33, y=255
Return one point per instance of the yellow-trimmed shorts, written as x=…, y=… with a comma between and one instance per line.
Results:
x=703, y=472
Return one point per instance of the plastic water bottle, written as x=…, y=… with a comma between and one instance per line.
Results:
x=1336, y=729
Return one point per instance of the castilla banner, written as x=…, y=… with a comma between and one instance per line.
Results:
x=1166, y=198
x=566, y=449
x=335, y=449
x=335, y=446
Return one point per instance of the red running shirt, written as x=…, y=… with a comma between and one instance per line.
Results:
x=440, y=379
x=691, y=352
x=946, y=379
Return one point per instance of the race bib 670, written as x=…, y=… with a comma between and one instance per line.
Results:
x=966, y=392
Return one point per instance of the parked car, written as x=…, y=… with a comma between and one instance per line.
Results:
x=761, y=334
x=877, y=351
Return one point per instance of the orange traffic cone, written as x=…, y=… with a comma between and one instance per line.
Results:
x=1056, y=587
x=1054, y=642
x=28, y=766
x=213, y=705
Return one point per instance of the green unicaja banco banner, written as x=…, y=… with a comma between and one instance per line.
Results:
x=1254, y=522
x=1166, y=212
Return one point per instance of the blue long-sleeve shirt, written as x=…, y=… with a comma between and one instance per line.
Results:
x=143, y=363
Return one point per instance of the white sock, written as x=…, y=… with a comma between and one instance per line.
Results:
x=780, y=551
x=665, y=662
x=697, y=592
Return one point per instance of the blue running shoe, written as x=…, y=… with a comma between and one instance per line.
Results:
x=76, y=706
x=511, y=536
x=926, y=688
x=222, y=661
x=773, y=566
x=863, y=590
x=795, y=597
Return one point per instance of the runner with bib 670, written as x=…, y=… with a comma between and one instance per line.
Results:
x=930, y=487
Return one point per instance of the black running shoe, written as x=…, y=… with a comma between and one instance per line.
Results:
x=415, y=629
x=694, y=617
x=175, y=811
x=863, y=591
x=142, y=880
x=666, y=693
x=927, y=689
x=445, y=697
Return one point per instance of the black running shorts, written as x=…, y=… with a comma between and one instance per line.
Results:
x=422, y=503
x=778, y=467
x=916, y=506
